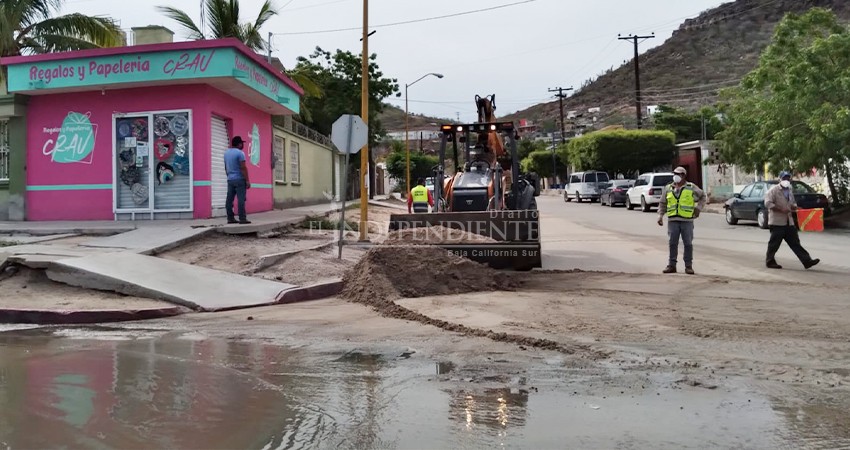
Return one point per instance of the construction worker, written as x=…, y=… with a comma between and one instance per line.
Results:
x=419, y=198
x=681, y=202
x=781, y=207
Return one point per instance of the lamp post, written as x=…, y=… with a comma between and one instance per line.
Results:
x=406, y=127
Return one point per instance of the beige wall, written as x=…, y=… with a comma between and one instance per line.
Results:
x=315, y=183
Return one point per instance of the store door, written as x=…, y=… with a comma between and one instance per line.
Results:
x=153, y=173
x=220, y=142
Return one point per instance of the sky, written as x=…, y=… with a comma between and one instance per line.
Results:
x=517, y=52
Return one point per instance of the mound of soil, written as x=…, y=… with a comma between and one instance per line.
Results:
x=435, y=235
x=387, y=273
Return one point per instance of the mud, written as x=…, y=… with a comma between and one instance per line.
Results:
x=386, y=274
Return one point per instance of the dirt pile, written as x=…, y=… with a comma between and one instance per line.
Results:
x=388, y=273
x=435, y=235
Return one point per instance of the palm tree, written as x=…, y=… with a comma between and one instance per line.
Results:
x=30, y=27
x=223, y=17
x=224, y=22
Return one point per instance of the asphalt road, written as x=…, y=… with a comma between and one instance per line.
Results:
x=592, y=237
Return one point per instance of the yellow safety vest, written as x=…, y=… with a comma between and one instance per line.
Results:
x=682, y=206
x=419, y=194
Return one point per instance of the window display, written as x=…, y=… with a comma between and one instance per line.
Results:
x=154, y=158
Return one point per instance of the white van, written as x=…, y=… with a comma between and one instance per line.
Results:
x=585, y=186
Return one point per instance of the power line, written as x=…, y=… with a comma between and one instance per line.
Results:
x=635, y=39
x=561, y=96
x=407, y=22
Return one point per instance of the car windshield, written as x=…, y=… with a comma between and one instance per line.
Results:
x=429, y=182
x=802, y=188
x=622, y=183
x=662, y=180
x=602, y=177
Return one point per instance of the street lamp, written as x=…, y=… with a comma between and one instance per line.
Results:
x=406, y=127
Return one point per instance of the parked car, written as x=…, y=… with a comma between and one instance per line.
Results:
x=749, y=203
x=647, y=190
x=614, y=192
x=584, y=186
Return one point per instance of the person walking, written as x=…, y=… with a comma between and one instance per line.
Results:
x=681, y=202
x=781, y=205
x=419, y=198
x=238, y=182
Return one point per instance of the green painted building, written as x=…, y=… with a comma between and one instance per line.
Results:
x=308, y=169
x=12, y=155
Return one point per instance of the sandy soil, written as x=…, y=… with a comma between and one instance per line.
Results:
x=240, y=254
x=31, y=289
x=311, y=267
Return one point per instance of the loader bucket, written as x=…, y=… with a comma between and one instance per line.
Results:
x=516, y=235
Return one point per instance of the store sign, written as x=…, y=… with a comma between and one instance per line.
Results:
x=73, y=141
x=255, y=146
x=151, y=67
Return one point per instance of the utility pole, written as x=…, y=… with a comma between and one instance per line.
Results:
x=561, y=96
x=635, y=40
x=364, y=114
x=270, y=46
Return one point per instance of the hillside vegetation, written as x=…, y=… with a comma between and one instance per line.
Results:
x=704, y=55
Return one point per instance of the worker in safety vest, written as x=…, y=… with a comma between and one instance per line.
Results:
x=419, y=198
x=681, y=202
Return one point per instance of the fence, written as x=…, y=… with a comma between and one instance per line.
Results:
x=4, y=150
x=306, y=132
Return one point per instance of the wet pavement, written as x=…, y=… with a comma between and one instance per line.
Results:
x=118, y=388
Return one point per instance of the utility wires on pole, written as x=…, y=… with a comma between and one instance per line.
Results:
x=561, y=96
x=636, y=40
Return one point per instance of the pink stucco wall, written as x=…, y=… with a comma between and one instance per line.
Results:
x=80, y=192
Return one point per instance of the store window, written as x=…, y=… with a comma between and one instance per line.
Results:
x=294, y=163
x=280, y=161
x=153, y=155
x=4, y=150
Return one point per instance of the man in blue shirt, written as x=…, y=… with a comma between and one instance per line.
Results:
x=237, y=179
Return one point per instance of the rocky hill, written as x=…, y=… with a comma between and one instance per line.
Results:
x=704, y=55
x=392, y=119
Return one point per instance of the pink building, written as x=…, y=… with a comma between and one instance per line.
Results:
x=139, y=132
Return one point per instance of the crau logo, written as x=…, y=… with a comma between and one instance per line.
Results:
x=255, y=145
x=74, y=142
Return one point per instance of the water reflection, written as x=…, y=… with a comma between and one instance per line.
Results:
x=149, y=393
x=497, y=409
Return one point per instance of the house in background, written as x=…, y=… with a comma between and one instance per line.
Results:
x=308, y=169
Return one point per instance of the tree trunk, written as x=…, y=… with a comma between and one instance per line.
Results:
x=830, y=179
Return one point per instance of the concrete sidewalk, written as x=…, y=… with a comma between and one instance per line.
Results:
x=117, y=260
x=191, y=286
x=260, y=222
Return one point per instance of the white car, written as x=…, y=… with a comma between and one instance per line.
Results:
x=647, y=190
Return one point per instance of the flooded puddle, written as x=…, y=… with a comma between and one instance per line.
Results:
x=83, y=388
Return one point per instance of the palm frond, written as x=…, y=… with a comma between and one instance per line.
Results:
x=82, y=31
x=303, y=79
x=180, y=16
x=267, y=11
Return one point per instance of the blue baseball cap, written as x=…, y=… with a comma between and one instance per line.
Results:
x=783, y=175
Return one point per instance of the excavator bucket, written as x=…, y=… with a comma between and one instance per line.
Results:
x=514, y=236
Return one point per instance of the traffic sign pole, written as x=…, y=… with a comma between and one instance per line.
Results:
x=345, y=186
x=348, y=133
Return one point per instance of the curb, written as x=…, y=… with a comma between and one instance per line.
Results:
x=57, y=317
x=267, y=261
x=309, y=293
